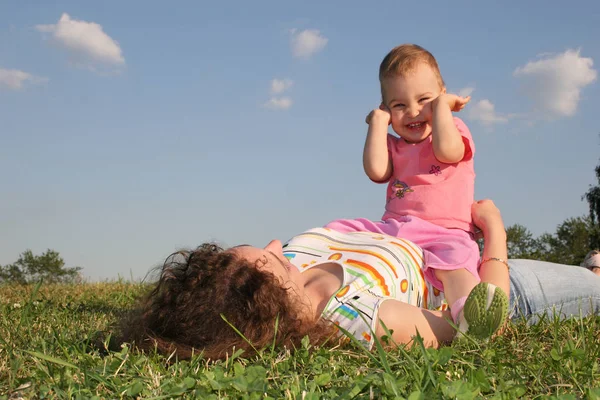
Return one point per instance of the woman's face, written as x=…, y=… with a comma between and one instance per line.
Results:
x=271, y=259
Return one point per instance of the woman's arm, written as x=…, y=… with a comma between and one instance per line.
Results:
x=487, y=217
x=405, y=320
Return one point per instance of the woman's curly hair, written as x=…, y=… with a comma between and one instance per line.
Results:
x=197, y=290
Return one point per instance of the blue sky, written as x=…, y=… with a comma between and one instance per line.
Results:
x=131, y=129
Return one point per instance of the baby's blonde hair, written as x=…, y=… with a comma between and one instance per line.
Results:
x=404, y=59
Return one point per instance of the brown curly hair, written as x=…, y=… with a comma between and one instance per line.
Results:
x=184, y=313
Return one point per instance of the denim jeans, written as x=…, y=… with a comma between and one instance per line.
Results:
x=538, y=288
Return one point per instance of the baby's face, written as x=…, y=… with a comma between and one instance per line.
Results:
x=408, y=99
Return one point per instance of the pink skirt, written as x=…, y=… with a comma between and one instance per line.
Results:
x=443, y=248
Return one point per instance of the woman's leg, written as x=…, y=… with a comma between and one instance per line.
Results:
x=539, y=287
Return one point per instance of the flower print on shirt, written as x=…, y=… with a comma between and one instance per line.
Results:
x=436, y=170
x=399, y=189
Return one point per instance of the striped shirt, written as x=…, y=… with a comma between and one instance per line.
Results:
x=376, y=267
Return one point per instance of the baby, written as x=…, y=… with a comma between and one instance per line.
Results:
x=430, y=176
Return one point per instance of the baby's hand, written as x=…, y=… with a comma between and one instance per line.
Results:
x=456, y=103
x=379, y=114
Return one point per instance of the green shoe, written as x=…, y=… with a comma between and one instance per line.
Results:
x=485, y=311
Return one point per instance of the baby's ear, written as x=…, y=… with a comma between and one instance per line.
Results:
x=443, y=89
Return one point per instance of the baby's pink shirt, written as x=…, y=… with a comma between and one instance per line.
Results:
x=422, y=186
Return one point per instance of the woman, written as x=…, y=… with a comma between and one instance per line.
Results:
x=213, y=300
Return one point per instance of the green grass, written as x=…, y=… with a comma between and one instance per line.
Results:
x=44, y=353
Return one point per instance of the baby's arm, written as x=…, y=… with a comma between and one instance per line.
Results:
x=406, y=321
x=376, y=159
x=448, y=145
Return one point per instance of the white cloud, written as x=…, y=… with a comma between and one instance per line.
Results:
x=466, y=91
x=484, y=111
x=280, y=85
x=279, y=103
x=86, y=41
x=555, y=81
x=14, y=79
x=307, y=42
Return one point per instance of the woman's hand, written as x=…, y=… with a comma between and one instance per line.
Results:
x=486, y=216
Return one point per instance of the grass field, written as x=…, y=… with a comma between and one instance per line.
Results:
x=44, y=353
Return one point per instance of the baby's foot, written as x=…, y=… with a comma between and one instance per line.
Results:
x=485, y=311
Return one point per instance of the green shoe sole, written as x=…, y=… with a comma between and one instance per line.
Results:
x=485, y=310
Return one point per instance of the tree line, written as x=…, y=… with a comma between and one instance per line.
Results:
x=31, y=268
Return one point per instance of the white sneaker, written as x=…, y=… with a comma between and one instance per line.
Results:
x=485, y=311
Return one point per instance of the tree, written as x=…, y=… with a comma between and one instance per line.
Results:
x=592, y=196
x=521, y=243
x=30, y=268
x=571, y=242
